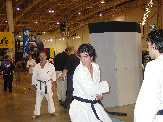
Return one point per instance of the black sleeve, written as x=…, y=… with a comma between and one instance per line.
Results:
x=68, y=63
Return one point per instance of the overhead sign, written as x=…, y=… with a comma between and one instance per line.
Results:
x=152, y=27
x=6, y=40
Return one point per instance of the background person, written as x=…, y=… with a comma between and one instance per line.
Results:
x=19, y=65
x=7, y=71
x=70, y=66
x=30, y=64
x=59, y=63
x=149, y=104
x=43, y=82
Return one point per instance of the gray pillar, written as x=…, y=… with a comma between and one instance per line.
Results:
x=10, y=23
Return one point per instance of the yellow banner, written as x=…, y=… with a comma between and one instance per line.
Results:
x=6, y=39
x=52, y=52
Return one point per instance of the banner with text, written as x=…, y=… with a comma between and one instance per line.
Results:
x=6, y=40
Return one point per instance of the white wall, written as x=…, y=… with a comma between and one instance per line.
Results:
x=119, y=59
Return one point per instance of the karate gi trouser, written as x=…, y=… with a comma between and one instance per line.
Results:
x=158, y=118
x=39, y=97
x=61, y=87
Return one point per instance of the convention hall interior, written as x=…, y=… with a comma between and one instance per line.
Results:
x=116, y=28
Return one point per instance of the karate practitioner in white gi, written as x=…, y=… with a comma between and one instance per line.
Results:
x=149, y=104
x=87, y=86
x=43, y=81
x=31, y=64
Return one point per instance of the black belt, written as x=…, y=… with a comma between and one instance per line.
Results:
x=98, y=101
x=160, y=112
x=45, y=85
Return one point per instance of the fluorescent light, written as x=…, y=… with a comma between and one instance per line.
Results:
x=18, y=9
x=102, y=1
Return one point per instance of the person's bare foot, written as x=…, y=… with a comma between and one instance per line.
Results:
x=33, y=117
x=54, y=114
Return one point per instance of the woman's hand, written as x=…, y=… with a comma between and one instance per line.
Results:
x=99, y=97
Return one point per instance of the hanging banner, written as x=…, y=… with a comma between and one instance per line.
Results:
x=33, y=37
x=52, y=52
x=26, y=37
x=6, y=40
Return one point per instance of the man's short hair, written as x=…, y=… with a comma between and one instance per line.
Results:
x=43, y=52
x=156, y=37
x=70, y=49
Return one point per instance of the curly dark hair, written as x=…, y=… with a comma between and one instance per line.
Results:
x=87, y=48
x=156, y=37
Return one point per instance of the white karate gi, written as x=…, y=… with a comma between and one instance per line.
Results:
x=86, y=88
x=31, y=63
x=61, y=86
x=150, y=98
x=47, y=74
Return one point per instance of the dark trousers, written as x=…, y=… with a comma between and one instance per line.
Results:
x=69, y=90
x=8, y=82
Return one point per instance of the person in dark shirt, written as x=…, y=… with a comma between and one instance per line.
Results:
x=59, y=63
x=19, y=65
x=7, y=71
x=71, y=64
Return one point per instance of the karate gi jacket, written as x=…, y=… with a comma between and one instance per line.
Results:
x=47, y=74
x=150, y=98
x=87, y=88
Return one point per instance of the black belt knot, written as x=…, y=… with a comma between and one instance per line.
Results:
x=45, y=85
x=92, y=104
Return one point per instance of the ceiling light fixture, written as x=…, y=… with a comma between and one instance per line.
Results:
x=102, y=1
x=18, y=9
x=150, y=4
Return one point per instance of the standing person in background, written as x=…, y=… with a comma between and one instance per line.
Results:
x=7, y=71
x=71, y=64
x=19, y=65
x=88, y=89
x=43, y=82
x=149, y=104
x=30, y=64
x=59, y=63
